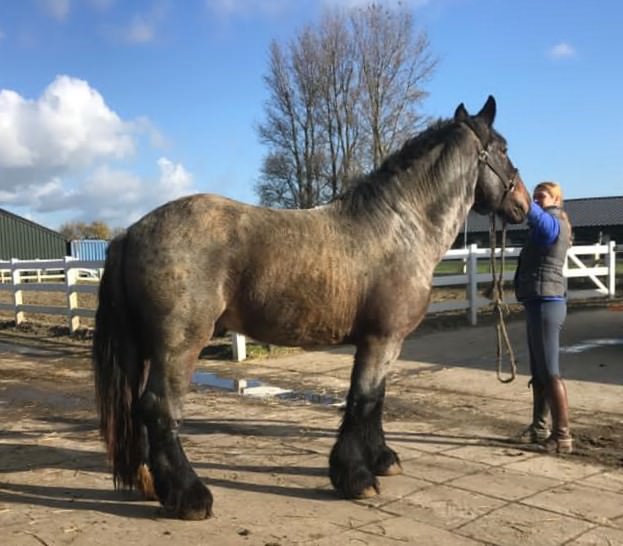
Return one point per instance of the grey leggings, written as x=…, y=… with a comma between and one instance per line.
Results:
x=544, y=320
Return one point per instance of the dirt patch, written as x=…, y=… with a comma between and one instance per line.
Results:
x=267, y=456
x=598, y=435
x=61, y=383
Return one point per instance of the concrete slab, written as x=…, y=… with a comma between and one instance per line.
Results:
x=465, y=482
x=596, y=505
x=517, y=524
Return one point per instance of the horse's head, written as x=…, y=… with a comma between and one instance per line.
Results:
x=499, y=187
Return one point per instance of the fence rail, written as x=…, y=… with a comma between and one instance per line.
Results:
x=73, y=277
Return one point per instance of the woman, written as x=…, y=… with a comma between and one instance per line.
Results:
x=540, y=286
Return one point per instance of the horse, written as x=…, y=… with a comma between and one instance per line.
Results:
x=357, y=271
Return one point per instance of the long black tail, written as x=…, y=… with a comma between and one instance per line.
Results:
x=119, y=367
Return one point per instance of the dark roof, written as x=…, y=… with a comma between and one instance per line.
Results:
x=583, y=212
x=595, y=211
x=27, y=222
x=26, y=240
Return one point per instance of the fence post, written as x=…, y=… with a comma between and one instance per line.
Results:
x=611, y=262
x=472, y=283
x=238, y=347
x=71, y=278
x=18, y=298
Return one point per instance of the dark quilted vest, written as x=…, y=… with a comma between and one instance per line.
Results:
x=539, y=272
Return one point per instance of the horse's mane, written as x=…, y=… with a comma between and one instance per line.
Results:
x=370, y=194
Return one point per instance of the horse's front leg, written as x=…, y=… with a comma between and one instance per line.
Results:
x=360, y=453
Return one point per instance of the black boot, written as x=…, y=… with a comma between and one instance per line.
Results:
x=559, y=440
x=537, y=431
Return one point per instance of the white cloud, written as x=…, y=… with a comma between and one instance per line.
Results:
x=57, y=9
x=364, y=3
x=273, y=8
x=144, y=125
x=58, y=156
x=101, y=5
x=143, y=27
x=68, y=127
x=229, y=8
x=120, y=197
x=139, y=31
x=174, y=180
x=562, y=50
x=115, y=196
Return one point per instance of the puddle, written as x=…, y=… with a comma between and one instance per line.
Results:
x=205, y=379
x=259, y=389
x=589, y=344
x=27, y=351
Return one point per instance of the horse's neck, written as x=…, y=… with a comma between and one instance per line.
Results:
x=442, y=206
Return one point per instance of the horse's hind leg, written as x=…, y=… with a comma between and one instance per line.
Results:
x=144, y=477
x=360, y=453
x=177, y=486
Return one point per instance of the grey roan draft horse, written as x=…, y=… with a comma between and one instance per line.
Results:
x=357, y=271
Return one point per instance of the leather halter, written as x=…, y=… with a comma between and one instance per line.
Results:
x=509, y=182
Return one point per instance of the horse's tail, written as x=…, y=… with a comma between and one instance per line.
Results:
x=119, y=368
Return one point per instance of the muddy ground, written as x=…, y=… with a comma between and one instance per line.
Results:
x=52, y=463
x=599, y=440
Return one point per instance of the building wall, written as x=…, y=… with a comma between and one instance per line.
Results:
x=582, y=235
x=26, y=240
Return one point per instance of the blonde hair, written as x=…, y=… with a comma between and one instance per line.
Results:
x=555, y=191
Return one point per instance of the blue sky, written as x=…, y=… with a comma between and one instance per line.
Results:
x=109, y=108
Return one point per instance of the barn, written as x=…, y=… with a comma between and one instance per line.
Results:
x=26, y=240
x=593, y=220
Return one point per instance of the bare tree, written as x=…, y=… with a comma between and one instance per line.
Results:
x=340, y=89
x=80, y=230
x=393, y=65
x=291, y=130
x=341, y=96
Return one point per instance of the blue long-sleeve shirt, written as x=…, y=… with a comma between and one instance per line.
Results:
x=545, y=229
x=545, y=226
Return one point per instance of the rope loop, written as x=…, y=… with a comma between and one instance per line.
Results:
x=500, y=308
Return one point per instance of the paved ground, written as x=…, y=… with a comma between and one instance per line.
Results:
x=464, y=482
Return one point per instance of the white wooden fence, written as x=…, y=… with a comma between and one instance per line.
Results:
x=19, y=276
x=69, y=276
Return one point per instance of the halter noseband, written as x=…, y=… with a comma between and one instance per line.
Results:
x=509, y=183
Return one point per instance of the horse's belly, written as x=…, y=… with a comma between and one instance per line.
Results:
x=294, y=337
x=285, y=324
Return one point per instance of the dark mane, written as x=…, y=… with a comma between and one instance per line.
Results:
x=383, y=186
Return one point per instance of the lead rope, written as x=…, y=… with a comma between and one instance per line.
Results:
x=500, y=309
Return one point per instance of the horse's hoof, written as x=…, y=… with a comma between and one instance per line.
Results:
x=195, y=514
x=368, y=492
x=388, y=463
x=392, y=470
x=358, y=484
x=192, y=504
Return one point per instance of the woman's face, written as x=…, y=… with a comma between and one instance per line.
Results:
x=544, y=199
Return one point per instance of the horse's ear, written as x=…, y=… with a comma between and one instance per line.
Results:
x=461, y=113
x=487, y=114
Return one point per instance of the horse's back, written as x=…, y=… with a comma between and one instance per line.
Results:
x=290, y=277
x=285, y=277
